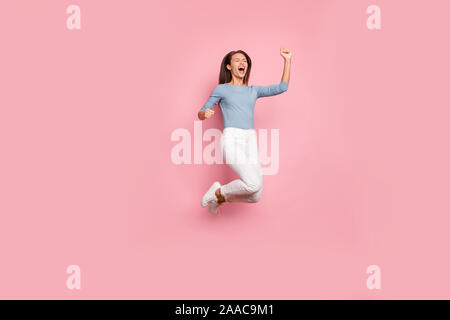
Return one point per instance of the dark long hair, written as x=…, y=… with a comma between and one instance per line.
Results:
x=225, y=74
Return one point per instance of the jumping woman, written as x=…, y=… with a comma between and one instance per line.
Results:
x=238, y=141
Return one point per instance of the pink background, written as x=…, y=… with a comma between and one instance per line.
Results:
x=87, y=179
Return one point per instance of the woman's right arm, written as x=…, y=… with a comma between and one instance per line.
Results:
x=206, y=111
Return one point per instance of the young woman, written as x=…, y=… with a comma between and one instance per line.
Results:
x=238, y=141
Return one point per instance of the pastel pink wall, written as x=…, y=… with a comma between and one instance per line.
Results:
x=87, y=176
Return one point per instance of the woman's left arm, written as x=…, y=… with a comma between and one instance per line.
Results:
x=274, y=89
x=287, y=55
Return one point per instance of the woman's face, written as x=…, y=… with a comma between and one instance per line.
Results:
x=238, y=65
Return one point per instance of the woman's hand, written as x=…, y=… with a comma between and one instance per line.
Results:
x=286, y=53
x=208, y=113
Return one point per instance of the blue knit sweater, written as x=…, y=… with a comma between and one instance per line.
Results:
x=238, y=102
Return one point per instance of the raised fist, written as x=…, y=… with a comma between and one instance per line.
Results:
x=286, y=53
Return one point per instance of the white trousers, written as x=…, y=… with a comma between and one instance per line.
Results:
x=240, y=150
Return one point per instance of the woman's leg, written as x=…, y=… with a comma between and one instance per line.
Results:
x=240, y=151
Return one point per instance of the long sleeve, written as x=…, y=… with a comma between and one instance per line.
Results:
x=213, y=99
x=271, y=90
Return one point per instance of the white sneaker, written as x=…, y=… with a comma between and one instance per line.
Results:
x=210, y=195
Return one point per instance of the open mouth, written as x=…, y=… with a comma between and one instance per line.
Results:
x=241, y=69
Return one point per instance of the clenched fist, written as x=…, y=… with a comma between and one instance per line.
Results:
x=286, y=53
x=208, y=113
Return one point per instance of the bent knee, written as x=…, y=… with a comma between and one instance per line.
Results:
x=253, y=187
x=256, y=196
